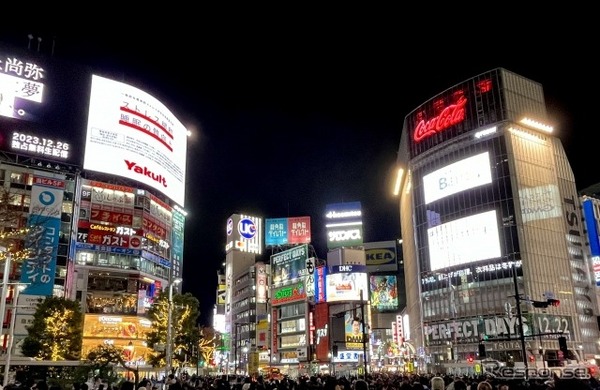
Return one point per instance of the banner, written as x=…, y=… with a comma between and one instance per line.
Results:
x=39, y=267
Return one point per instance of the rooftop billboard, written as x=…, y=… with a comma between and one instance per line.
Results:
x=132, y=134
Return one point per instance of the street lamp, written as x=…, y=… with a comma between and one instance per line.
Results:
x=19, y=287
x=169, y=346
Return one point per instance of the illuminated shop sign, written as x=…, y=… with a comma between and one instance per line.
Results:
x=291, y=293
x=457, y=177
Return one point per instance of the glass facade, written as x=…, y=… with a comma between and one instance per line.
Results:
x=493, y=210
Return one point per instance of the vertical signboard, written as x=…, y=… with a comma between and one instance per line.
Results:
x=39, y=267
x=177, y=240
x=261, y=282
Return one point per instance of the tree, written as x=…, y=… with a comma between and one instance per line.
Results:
x=206, y=344
x=56, y=332
x=103, y=356
x=184, y=333
x=12, y=233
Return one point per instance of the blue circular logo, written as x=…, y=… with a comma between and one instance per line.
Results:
x=229, y=226
x=247, y=228
x=46, y=198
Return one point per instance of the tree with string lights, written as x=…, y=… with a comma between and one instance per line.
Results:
x=185, y=333
x=56, y=332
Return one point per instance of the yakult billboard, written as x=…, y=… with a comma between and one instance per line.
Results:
x=133, y=135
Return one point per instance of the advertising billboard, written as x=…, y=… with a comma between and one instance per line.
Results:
x=43, y=106
x=261, y=282
x=345, y=283
x=285, y=231
x=462, y=175
x=144, y=140
x=353, y=331
x=467, y=106
x=39, y=267
x=464, y=240
x=343, y=224
x=540, y=202
x=384, y=292
x=289, y=266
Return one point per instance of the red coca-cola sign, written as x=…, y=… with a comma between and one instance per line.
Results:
x=450, y=116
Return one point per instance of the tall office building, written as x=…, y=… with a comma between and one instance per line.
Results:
x=490, y=217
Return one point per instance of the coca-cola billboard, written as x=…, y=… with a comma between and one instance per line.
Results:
x=458, y=110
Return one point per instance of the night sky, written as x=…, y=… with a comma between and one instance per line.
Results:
x=289, y=116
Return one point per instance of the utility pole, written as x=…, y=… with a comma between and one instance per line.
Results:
x=364, y=331
x=520, y=318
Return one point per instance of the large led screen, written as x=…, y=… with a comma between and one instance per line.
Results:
x=464, y=174
x=347, y=285
x=384, y=292
x=464, y=240
x=133, y=135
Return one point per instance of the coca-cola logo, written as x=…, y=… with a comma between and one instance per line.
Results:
x=450, y=116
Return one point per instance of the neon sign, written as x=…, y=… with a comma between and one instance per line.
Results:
x=450, y=116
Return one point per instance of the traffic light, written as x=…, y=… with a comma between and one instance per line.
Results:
x=481, y=351
x=532, y=358
x=546, y=303
x=470, y=359
x=334, y=349
x=562, y=344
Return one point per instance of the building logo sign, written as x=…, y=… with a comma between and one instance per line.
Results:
x=450, y=116
x=247, y=228
x=291, y=293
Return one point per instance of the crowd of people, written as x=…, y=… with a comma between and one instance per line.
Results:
x=370, y=382
x=329, y=382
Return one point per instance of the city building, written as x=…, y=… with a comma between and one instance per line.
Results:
x=85, y=160
x=492, y=228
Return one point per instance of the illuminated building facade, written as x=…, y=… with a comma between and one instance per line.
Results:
x=489, y=210
x=73, y=143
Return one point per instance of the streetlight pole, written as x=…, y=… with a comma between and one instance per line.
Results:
x=364, y=331
x=18, y=289
x=7, y=261
x=169, y=346
x=520, y=318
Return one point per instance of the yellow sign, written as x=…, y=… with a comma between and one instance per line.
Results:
x=361, y=370
x=253, y=363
